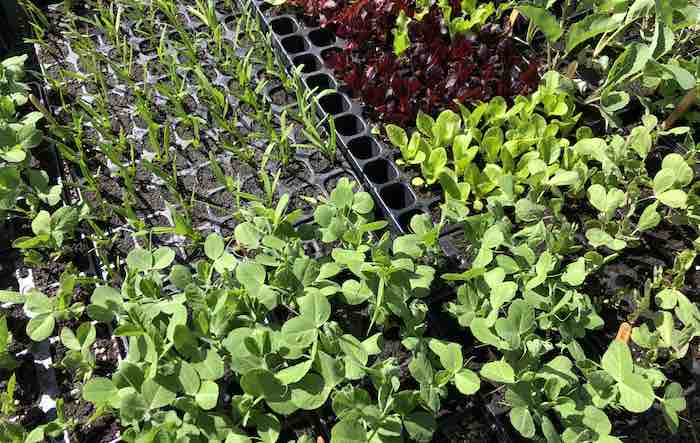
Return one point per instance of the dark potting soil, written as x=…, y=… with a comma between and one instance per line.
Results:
x=103, y=429
x=461, y=420
x=17, y=325
x=27, y=392
x=319, y=162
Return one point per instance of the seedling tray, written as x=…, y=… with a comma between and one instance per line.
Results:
x=307, y=46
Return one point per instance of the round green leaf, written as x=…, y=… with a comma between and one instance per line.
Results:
x=41, y=327
x=498, y=371
x=310, y=393
x=675, y=198
x=348, y=431
x=262, y=383
x=139, y=260
x=521, y=419
x=99, y=390
x=208, y=395
x=163, y=257
x=467, y=381
x=636, y=393
x=156, y=395
x=214, y=246
x=617, y=361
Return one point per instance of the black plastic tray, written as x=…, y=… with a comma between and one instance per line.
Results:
x=299, y=44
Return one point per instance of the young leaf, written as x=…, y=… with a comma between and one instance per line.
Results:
x=99, y=390
x=545, y=21
x=498, y=371
x=139, y=259
x=348, y=431
x=522, y=421
x=214, y=246
x=649, y=218
x=467, y=381
x=41, y=327
x=208, y=395
x=675, y=198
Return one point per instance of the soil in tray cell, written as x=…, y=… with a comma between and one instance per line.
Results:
x=27, y=392
x=103, y=429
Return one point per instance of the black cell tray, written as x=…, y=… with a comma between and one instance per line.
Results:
x=373, y=161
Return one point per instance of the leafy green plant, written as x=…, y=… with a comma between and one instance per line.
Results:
x=10, y=431
x=46, y=311
x=18, y=135
x=7, y=361
x=649, y=61
x=79, y=357
x=469, y=17
x=50, y=232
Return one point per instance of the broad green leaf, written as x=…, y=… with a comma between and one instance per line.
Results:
x=41, y=327
x=180, y=276
x=294, y=373
x=211, y=368
x=397, y=136
x=597, y=237
x=41, y=223
x=268, y=427
x=310, y=392
x=575, y=272
x=421, y=369
x=262, y=383
x=668, y=298
x=482, y=332
x=163, y=257
x=450, y=354
x=299, y=332
x=675, y=198
x=467, y=382
x=502, y=293
x=640, y=140
x=208, y=395
x=362, y=203
x=348, y=431
x=617, y=361
x=214, y=246
x=649, y=218
x=630, y=62
x=673, y=403
x=664, y=180
x=315, y=307
x=498, y=371
x=185, y=342
x=99, y=390
x=636, y=393
x=139, y=259
x=682, y=172
x=408, y=244
x=188, y=378
x=590, y=26
x=156, y=395
x=564, y=178
x=247, y=235
x=522, y=421
x=544, y=20
x=684, y=78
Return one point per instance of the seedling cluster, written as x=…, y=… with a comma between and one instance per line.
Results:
x=369, y=221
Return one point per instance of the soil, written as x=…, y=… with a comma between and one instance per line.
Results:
x=27, y=392
x=104, y=429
